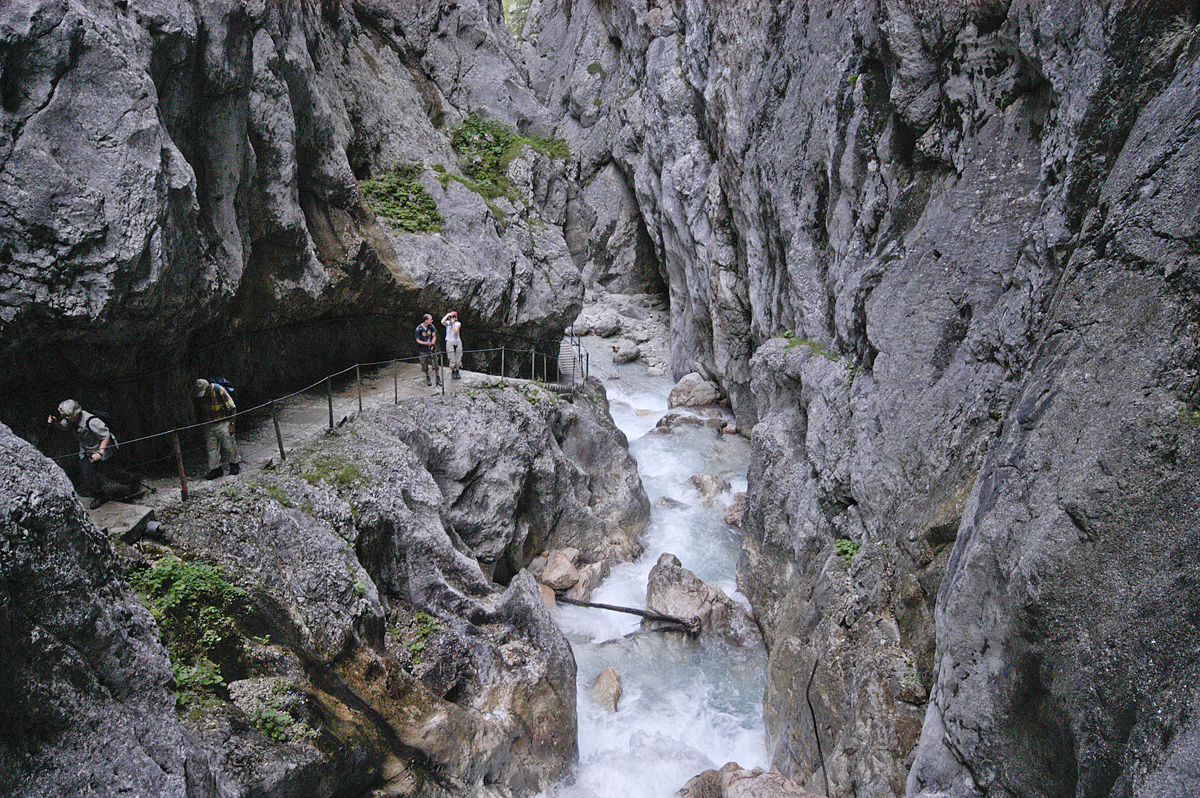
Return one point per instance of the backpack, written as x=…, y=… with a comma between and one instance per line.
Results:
x=114, y=444
x=224, y=383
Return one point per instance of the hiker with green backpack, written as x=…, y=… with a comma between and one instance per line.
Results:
x=97, y=451
x=215, y=409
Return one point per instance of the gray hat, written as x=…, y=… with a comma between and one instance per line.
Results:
x=69, y=408
x=201, y=388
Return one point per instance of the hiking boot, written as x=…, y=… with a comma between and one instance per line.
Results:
x=455, y=375
x=98, y=502
x=235, y=469
x=214, y=474
x=427, y=380
x=439, y=380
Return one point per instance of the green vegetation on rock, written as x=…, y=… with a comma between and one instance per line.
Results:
x=846, y=549
x=332, y=470
x=195, y=607
x=399, y=197
x=486, y=147
x=516, y=13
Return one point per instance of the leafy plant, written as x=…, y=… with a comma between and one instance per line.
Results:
x=846, y=549
x=195, y=607
x=401, y=199
x=486, y=147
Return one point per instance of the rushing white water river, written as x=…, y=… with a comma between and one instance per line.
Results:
x=687, y=706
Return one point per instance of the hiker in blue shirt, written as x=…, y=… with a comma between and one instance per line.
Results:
x=426, y=347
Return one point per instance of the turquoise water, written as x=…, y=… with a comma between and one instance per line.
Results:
x=686, y=706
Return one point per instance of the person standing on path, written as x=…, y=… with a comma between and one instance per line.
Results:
x=427, y=347
x=453, y=343
x=216, y=409
x=97, y=451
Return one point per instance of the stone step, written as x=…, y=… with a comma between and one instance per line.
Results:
x=121, y=518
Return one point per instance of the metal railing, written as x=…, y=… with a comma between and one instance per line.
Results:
x=570, y=371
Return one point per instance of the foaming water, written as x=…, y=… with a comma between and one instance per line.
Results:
x=686, y=707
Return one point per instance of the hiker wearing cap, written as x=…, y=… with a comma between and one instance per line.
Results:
x=97, y=451
x=453, y=343
x=427, y=347
x=216, y=409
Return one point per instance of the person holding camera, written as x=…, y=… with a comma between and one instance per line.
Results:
x=453, y=343
x=97, y=451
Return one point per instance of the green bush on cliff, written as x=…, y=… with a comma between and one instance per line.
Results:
x=486, y=147
x=516, y=12
x=401, y=199
x=195, y=607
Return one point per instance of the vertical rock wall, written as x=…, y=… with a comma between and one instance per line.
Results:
x=942, y=258
x=179, y=195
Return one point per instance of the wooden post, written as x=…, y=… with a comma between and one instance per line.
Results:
x=183, y=491
x=329, y=394
x=358, y=377
x=501, y=361
x=396, y=382
x=278, y=434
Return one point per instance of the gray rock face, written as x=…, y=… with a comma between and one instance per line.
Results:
x=177, y=175
x=87, y=687
x=372, y=650
x=941, y=259
x=523, y=471
x=674, y=590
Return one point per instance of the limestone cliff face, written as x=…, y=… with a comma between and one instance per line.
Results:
x=364, y=618
x=179, y=195
x=943, y=259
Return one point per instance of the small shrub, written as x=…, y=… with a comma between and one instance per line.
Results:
x=846, y=549
x=594, y=68
x=485, y=148
x=401, y=199
x=195, y=607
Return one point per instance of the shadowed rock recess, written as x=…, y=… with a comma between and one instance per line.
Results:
x=179, y=194
x=942, y=258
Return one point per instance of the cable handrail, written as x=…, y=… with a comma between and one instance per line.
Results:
x=574, y=341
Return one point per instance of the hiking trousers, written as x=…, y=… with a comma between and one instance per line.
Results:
x=218, y=440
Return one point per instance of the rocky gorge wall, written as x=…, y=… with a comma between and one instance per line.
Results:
x=942, y=257
x=362, y=647
x=179, y=195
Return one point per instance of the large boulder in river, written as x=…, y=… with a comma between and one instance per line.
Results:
x=674, y=590
x=693, y=391
x=734, y=781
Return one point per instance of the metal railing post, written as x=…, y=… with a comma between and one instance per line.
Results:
x=396, y=382
x=329, y=394
x=183, y=490
x=358, y=377
x=278, y=434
